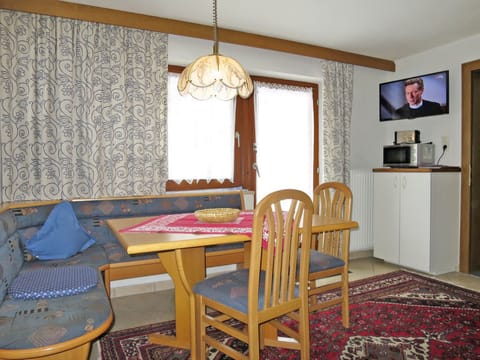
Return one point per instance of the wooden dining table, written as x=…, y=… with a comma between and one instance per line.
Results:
x=183, y=256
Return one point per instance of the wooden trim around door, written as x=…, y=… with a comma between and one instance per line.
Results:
x=467, y=70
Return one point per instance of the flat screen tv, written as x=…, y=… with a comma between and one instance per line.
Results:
x=414, y=97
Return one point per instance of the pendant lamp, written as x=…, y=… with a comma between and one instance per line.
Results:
x=215, y=75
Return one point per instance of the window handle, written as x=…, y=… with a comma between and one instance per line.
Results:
x=237, y=137
x=255, y=166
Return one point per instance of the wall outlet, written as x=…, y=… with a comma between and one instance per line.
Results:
x=444, y=141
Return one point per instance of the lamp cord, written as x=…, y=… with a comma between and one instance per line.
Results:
x=215, y=28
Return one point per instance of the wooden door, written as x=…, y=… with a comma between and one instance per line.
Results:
x=470, y=211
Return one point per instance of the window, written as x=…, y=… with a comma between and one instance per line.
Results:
x=226, y=131
x=284, y=138
x=200, y=137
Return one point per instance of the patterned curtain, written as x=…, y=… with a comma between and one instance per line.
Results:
x=337, y=112
x=82, y=109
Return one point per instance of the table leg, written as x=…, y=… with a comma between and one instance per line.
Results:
x=186, y=267
x=247, y=248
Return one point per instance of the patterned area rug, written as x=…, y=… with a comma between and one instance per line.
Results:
x=400, y=315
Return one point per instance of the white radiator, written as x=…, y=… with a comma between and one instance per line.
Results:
x=362, y=209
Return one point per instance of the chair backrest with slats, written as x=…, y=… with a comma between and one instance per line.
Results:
x=333, y=199
x=282, y=220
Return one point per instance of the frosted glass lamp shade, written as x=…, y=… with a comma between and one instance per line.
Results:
x=215, y=75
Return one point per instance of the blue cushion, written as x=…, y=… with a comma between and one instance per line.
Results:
x=61, y=236
x=231, y=289
x=320, y=261
x=52, y=282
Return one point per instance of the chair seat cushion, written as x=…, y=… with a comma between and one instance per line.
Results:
x=52, y=282
x=320, y=261
x=231, y=289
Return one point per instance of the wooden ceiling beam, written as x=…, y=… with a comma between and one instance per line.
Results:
x=175, y=27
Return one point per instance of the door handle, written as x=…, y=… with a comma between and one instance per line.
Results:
x=255, y=167
x=237, y=137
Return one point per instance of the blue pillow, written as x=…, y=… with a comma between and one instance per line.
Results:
x=61, y=236
x=48, y=283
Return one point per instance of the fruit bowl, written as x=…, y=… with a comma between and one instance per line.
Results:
x=217, y=215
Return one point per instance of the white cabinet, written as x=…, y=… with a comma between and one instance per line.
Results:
x=416, y=219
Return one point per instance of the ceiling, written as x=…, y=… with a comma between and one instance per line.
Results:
x=387, y=29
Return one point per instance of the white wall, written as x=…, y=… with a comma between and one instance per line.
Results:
x=369, y=135
x=183, y=50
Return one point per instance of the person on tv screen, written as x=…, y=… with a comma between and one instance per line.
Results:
x=416, y=106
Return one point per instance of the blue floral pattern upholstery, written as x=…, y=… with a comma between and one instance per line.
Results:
x=46, y=321
x=42, y=322
x=92, y=215
x=320, y=261
x=230, y=289
x=11, y=257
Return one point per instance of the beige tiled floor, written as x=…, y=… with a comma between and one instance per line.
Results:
x=148, y=308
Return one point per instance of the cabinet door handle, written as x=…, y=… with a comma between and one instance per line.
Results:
x=404, y=182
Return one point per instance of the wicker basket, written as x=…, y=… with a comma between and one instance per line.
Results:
x=217, y=215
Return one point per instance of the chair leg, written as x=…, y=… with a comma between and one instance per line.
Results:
x=304, y=332
x=261, y=337
x=312, y=299
x=345, y=299
x=200, y=333
x=254, y=342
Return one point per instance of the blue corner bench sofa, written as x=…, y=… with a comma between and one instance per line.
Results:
x=61, y=324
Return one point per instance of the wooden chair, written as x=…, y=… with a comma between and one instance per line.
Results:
x=269, y=289
x=330, y=253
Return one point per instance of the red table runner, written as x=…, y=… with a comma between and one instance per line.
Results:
x=188, y=223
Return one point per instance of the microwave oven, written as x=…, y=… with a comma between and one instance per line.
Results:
x=409, y=155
